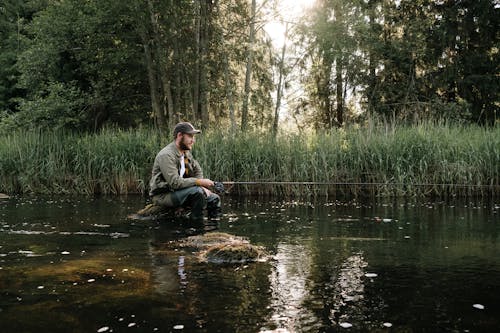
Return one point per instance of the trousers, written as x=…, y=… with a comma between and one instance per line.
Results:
x=195, y=197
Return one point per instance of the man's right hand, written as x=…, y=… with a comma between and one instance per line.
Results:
x=204, y=182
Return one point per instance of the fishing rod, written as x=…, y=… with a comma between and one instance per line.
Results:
x=315, y=183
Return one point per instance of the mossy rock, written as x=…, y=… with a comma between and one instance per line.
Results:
x=209, y=239
x=223, y=248
x=155, y=212
x=233, y=254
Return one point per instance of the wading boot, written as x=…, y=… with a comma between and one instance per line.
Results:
x=214, y=210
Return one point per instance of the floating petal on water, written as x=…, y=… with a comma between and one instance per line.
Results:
x=371, y=275
x=478, y=306
x=345, y=325
x=65, y=252
x=387, y=325
x=131, y=324
x=103, y=329
x=178, y=327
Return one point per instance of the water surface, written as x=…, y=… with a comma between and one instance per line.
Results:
x=73, y=264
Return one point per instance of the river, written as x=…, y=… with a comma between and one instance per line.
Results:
x=77, y=264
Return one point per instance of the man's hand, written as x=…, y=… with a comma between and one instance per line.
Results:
x=219, y=188
x=204, y=182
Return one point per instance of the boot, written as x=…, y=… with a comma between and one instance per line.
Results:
x=197, y=202
x=214, y=207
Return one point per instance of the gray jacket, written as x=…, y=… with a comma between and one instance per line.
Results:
x=165, y=175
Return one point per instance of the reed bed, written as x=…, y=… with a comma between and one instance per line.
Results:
x=374, y=160
x=111, y=162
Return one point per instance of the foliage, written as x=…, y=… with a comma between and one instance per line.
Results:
x=384, y=159
x=87, y=48
x=85, y=65
x=113, y=161
x=405, y=59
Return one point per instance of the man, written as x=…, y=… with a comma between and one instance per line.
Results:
x=177, y=178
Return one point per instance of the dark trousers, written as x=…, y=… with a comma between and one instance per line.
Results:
x=194, y=197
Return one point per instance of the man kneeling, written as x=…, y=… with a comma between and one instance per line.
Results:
x=177, y=178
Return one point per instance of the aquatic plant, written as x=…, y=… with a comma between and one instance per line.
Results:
x=375, y=159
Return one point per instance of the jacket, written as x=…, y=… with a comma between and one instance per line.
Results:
x=165, y=174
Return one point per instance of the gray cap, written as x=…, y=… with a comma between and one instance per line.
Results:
x=185, y=127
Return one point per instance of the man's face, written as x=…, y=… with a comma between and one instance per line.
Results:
x=187, y=141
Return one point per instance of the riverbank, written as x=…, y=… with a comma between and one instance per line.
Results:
x=382, y=160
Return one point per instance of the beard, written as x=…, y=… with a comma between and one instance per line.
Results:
x=183, y=145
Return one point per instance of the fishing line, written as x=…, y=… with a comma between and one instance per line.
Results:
x=355, y=184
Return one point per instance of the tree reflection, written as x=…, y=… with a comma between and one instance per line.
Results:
x=348, y=289
x=289, y=286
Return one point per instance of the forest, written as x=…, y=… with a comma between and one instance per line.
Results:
x=379, y=97
x=84, y=65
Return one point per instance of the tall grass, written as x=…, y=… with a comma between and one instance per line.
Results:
x=112, y=162
x=383, y=160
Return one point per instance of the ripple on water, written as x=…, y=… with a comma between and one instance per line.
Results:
x=68, y=233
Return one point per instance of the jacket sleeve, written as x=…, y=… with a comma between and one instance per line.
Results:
x=170, y=172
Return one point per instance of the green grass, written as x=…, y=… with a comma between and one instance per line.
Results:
x=382, y=160
x=112, y=162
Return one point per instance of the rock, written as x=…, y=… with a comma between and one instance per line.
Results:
x=219, y=248
x=4, y=196
x=232, y=254
x=155, y=212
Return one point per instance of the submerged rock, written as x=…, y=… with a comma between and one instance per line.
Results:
x=221, y=248
x=156, y=212
x=232, y=254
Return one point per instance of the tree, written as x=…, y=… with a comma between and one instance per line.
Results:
x=14, y=16
x=80, y=66
x=332, y=47
x=249, y=64
x=466, y=38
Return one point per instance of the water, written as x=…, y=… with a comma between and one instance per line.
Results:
x=78, y=265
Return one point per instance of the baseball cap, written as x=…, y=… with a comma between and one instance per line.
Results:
x=185, y=127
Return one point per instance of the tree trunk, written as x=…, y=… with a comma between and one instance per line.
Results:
x=280, y=84
x=154, y=86
x=167, y=91
x=248, y=74
x=202, y=108
x=339, y=91
x=196, y=73
x=153, y=57
x=372, y=62
x=339, y=58
x=324, y=92
x=229, y=94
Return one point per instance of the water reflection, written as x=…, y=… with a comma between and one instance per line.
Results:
x=289, y=286
x=80, y=266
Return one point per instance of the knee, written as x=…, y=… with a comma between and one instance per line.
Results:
x=198, y=193
x=213, y=199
